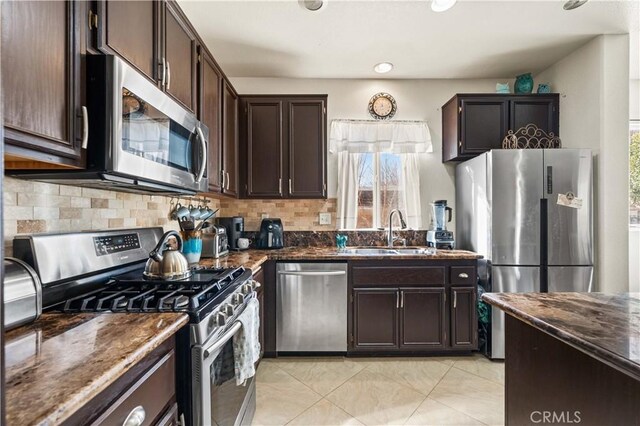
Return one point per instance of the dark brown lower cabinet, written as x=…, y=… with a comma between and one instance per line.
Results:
x=423, y=318
x=464, y=324
x=375, y=318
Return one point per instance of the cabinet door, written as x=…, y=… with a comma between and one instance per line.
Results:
x=230, y=138
x=375, y=319
x=483, y=124
x=263, y=131
x=423, y=318
x=543, y=111
x=41, y=81
x=180, y=57
x=210, y=113
x=129, y=30
x=464, y=325
x=307, y=148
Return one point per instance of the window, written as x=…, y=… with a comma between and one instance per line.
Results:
x=379, y=188
x=634, y=172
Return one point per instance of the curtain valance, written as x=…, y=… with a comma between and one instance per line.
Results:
x=400, y=137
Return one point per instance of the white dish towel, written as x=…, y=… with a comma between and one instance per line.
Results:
x=246, y=344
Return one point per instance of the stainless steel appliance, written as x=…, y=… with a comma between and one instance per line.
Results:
x=137, y=138
x=311, y=307
x=439, y=237
x=104, y=271
x=530, y=213
x=215, y=243
x=22, y=293
x=235, y=228
x=271, y=234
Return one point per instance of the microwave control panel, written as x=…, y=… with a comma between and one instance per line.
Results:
x=116, y=243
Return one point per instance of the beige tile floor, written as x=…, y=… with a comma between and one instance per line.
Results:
x=380, y=391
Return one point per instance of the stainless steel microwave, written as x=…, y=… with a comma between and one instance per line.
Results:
x=139, y=139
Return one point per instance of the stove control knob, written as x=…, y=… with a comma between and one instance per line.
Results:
x=255, y=284
x=237, y=299
x=246, y=289
x=228, y=309
x=218, y=319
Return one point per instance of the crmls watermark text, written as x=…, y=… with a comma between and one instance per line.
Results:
x=555, y=417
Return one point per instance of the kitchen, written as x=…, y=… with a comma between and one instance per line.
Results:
x=129, y=115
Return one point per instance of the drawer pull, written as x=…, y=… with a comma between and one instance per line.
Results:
x=463, y=275
x=136, y=417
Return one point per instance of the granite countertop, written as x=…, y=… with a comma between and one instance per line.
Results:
x=58, y=364
x=254, y=258
x=604, y=326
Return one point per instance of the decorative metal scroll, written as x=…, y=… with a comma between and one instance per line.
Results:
x=530, y=137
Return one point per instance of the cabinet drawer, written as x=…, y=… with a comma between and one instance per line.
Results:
x=398, y=275
x=154, y=391
x=463, y=275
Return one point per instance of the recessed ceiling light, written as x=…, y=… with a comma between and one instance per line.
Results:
x=383, y=67
x=312, y=5
x=442, y=5
x=573, y=4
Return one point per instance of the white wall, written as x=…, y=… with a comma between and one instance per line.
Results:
x=416, y=99
x=634, y=99
x=594, y=113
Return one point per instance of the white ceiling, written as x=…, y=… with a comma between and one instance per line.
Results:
x=475, y=39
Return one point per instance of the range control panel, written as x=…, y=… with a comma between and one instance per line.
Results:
x=116, y=243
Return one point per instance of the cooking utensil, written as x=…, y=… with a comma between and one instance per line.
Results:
x=165, y=260
x=202, y=225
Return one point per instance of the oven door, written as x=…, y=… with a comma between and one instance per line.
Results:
x=217, y=400
x=154, y=137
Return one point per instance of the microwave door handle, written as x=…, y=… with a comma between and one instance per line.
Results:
x=203, y=144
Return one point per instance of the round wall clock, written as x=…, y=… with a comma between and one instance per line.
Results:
x=382, y=106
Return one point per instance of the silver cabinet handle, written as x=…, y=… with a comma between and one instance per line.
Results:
x=312, y=273
x=397, y=300
x=219, y=343
x=402, y=299
x=203, y=144
x=85, y=127
x=280, y=186
x=228, y=180
x=455, y=299
x=290, y=186
x=463, y=275
x=168, y=75
x=136, y=417
x=223, y=176
x=163, y=81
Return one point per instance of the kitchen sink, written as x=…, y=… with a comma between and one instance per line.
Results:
x=387, y=251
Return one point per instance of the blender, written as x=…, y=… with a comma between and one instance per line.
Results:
x=438, y=236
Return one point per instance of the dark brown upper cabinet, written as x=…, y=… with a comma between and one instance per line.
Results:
x=130, y=30
x=284, y=143
x=41, y=83
x=476, y=123
x=179, y=56
x=210, y=113
x=230, y=139
x=264, y=147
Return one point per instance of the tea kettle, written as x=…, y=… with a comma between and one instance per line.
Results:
x=166, y=262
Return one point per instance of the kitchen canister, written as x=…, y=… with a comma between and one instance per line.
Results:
x=192, y=245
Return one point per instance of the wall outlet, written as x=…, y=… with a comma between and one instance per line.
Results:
x=264, y=215
x=325, y=218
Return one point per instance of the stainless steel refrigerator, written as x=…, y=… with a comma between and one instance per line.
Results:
x=530, y=214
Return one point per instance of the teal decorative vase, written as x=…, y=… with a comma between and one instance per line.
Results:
x=524, y=84
x=544, y=88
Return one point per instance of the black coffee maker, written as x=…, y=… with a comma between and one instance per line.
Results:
x=271, y=234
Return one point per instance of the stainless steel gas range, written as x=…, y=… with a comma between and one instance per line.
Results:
x=103, y=271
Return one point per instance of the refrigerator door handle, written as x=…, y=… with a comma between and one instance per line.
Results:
x=549, y=180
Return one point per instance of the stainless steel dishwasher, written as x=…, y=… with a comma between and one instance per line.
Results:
x=311, y=307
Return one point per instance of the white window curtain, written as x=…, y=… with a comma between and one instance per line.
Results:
x=409, y=139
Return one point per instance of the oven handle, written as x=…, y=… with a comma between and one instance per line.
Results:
x=203, y=142
x=218, y=344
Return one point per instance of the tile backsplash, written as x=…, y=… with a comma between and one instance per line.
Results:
x=33, y=207
x=296, y=215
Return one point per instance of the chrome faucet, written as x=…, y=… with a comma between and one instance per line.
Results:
x=390, y=237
